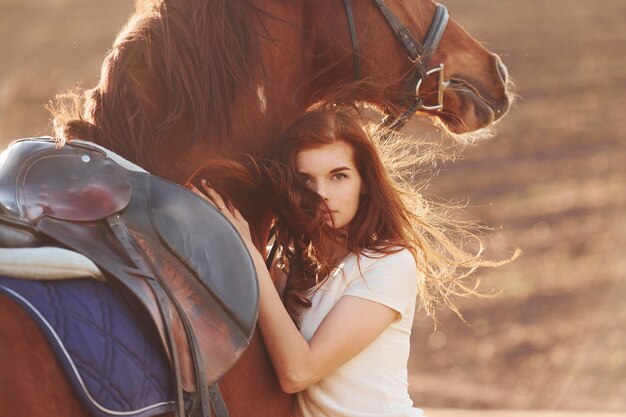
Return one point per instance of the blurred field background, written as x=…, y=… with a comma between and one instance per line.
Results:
x=552, y=182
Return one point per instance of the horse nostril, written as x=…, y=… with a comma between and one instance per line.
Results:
x=504, y=73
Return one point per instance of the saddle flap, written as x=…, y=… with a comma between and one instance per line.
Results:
x=205, y=241
x=73, y=184
x=220, y=341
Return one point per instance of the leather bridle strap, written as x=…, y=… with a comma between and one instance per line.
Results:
x=433, y=37
x=356, y=57
x=411, y=45
x=417, y=52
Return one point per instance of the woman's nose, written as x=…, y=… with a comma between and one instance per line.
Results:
x=321, y=191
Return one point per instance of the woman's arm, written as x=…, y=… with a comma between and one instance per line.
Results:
x=352, y=324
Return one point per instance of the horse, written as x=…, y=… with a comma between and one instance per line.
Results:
x=191, y=84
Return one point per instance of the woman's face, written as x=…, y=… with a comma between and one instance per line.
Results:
x=330, y=171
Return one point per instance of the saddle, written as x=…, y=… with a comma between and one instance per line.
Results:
x=181, y=260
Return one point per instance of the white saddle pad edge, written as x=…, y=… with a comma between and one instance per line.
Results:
x=47, y=263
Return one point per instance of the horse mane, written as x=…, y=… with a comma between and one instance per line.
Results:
x=174, y=69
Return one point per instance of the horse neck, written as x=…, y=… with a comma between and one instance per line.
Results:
x=287, y=82
x=261, y=110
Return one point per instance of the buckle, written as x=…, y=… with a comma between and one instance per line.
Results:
x=443, y=84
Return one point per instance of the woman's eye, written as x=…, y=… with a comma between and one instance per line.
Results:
x=340, y=176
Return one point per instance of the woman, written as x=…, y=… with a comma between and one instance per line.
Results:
x=337, y=310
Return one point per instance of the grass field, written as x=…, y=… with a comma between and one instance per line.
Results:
x=552, y=182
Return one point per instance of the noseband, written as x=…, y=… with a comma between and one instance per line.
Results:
x=419, y=54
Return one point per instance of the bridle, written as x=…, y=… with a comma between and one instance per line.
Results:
x=419, y=54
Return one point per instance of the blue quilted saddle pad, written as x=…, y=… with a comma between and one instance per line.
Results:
x=114, y=368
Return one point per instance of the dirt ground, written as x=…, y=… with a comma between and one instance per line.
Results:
x=552, y=182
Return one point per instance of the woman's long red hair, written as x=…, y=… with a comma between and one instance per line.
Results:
x=381, y=222
x=392, y=214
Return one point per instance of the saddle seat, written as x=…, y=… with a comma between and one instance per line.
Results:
x=179, y=257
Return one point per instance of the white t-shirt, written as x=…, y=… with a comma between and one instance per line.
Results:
x=374, y=383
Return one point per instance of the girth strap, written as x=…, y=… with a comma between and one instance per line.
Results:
x=217, y=402
x=125, y=238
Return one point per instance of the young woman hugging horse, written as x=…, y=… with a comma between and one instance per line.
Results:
x=356, y=250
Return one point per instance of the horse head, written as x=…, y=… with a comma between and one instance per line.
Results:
x=460, y=83
x=188, y=82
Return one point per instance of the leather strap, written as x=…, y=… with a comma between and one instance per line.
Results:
x=124, y=237
x=412, y=46
x=437, y=27
x=163, y=295
x=217, y=402
x=356, y=57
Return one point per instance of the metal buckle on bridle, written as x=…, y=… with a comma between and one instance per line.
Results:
x=442, y=85
x=395, y=123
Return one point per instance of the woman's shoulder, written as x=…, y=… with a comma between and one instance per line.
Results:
x=390, y=278
x=398, y=256
x=397, y=262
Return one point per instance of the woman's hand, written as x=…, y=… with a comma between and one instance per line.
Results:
x=227, y=209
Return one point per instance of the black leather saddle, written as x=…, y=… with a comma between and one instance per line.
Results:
x=180, y=258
